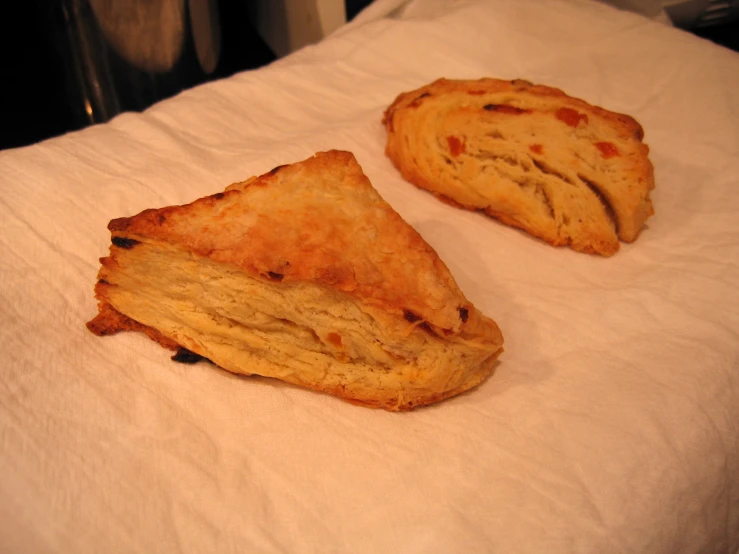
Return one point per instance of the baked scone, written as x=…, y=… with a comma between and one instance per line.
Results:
x=304, y=274
x=528, y=155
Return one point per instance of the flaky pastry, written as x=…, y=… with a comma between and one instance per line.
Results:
x=304, y=274
x=528, y=155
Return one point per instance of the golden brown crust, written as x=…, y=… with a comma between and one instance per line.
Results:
x=263, y=227
x=317, y=223
x=529, y=155
x=110, y=321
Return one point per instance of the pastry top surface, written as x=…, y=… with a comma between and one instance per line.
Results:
x=529, y=124
x=519, y=90
x=319, y=221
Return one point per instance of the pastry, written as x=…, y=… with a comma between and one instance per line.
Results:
x=304, y=274
x=528, y=155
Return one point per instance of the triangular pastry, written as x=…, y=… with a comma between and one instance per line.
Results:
x=528, y=155
x=304, y=274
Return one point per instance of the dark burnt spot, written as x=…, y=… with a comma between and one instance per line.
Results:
x=543, y=195
x=463, y=314
x=410, y=316
x=275, y=276
x=417, y=101
x=218, y=195
x=505, y=108
x=185, y=356
x=122, y=242
x=426, y=327
x=161, y=218
x=598, y=191
x=102, y=282
x=275, y=169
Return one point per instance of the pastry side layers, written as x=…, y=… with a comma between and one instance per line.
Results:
x=528, y=155
x=304, y=274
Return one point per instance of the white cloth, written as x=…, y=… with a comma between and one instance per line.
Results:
x=611, y=424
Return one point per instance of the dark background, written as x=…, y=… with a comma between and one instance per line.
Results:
x=41, y=96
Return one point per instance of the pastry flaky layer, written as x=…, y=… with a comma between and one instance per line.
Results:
x=528, y=155
x=304, y=274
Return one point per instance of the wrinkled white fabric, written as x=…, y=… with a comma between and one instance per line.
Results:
x=611, y=424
